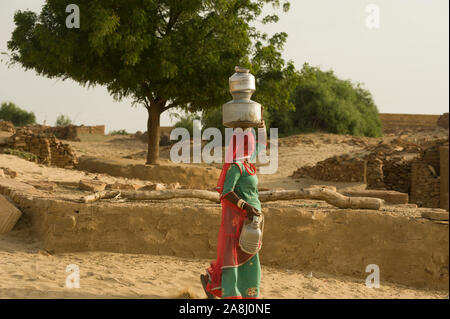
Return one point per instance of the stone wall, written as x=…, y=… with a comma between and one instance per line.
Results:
x=382, y=166
x=398, y=166
x=425, y=186
x=397, y=174
x=47, y=148
x=68, y=132
x=425, y=176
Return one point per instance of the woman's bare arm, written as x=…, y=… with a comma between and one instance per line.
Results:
x=251, y=211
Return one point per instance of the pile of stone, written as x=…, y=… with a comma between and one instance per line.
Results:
x=443, y=121
x=342, y=168
x=381, y=166
x=47, y=148
x=7, y=126
x=398, y=166
x=395, y=147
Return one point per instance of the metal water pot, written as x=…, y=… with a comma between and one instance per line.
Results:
x=251, y=236
x=242, y=111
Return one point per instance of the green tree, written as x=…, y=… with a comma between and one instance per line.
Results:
x=161, y=53
x=326, y=103
x=11, y=112
x=63, y=120
x=185, y=120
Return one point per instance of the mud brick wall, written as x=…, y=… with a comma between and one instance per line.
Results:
x=337, y=169
x=425, y=187
x=431, y=156
x=68, y=132
x=443, y=121
x=395, y=122
x=374, y=177
x=48, y=149
x=397, y=174
x=444, y=177
x=98, y=129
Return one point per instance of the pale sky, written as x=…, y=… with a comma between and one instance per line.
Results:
x=404, y=62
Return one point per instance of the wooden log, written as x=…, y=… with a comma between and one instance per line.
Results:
x=330, y=196
x=9, y=215
x=99, y=195
x=171, y=194
x=327, y=195
x=391, y=197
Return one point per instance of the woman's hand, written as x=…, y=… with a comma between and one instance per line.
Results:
x=262, y=124
x=251, y=211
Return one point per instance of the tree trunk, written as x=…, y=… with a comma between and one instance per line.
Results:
x=153, y=124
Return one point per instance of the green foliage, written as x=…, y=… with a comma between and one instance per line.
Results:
x=119, y=132
x=19, y=117
x=181, y=52
x=326, y=103
x=63, y=120
x=22, y=154
x=213, y=118
x=161, y=53
x=186, y=120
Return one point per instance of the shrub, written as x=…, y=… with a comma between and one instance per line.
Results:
x=326, y=103
x=63, y=120
x=186, y=120
x=119, y=132
x=11, y=112
x=25, y=155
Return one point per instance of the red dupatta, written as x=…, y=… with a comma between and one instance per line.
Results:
x=229, y=254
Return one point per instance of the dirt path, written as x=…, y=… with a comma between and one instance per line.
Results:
x=27, y=271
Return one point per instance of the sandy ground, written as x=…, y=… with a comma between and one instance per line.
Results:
x=27, y=271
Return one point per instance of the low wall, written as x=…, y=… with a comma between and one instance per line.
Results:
x=98, y=129
x=444, y=177
x=395, y=122
x=190, y=176
x=409, y=250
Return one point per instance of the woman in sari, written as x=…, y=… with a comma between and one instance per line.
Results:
x=236, y=274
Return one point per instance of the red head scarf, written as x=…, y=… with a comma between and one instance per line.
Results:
x=241, y=146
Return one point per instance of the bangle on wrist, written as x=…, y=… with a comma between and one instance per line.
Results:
x=241, y=203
